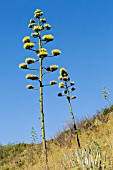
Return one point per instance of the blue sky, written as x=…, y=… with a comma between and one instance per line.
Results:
x=83, y=31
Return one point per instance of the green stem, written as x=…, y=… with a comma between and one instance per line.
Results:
x=72, y=115
x=42, y=112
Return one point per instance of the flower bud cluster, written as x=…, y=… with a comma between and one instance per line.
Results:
x=47, y=38
x=35, y=35
x=38, y=13
x=32, y=21
x=56, y=52
x=43, y=20
x=30, y=86
x=26, y=39
x=30, y=60
x=63, y=72
x=31, y=25
x=32, y=77
x=53, y=82
x=38, y=28
x=23, y=65
x=47, y=26
x=61, y=85
x=52, y=68
x=42, y=52
x=29, y=45
x=64, y=84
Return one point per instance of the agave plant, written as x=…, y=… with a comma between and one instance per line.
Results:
x=39, y=26
x=68, y=88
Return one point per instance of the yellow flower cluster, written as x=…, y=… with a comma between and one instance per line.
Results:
x=48, y=38
x=73, y=97
x=42, y=53
x=32, y=21
x=63, y=72
x=43, y=20
x=23, y=65
x=73, y=88
x=30, y=86
x=47, y=26
x=53, y=68
x=30, y=60
x=66, y=78
x=61, y=85
x=28, y=45
x=35, y=35
x=56, y=52
x=60, y=78
x=32, y=77
x=72, y=83
x=31, y=25
x=38, y=28
x=38, y=13
x=26, y=39
x=53, y=82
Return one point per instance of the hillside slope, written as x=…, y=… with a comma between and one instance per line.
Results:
x=96, y=152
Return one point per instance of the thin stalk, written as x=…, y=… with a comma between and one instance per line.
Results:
x=33, y=69
x=41, y=111
x=72, y=115
x=46, y=73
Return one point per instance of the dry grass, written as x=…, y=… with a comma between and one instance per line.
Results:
x=96, y=137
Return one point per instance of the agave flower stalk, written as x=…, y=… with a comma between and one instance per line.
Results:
x=41, y=109
x=38, y=28
x=67, y=90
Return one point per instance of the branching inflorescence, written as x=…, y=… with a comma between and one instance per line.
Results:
x=68, y=88
x=39, y=26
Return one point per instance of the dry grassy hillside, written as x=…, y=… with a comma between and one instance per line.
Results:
x=96, y=152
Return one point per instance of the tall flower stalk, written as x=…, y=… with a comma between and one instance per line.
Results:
x=39, y=26
x=68, y=88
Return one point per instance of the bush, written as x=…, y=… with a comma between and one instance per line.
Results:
x=111, y=108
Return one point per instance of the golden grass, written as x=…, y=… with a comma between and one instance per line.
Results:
x=62, y=151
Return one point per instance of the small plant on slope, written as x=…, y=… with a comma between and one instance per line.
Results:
x=39, y=26
x=106, y=94
x=33, y=135
x=68, y=88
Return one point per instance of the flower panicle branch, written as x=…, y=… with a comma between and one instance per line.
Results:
x=26, y=39
x=53, y=82
x=51, y=68
x=48, y=38
x=31, y=87
x=32, y=77
x=23, y=66
x=30, y=60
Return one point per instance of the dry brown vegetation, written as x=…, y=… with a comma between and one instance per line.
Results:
x=96, y=152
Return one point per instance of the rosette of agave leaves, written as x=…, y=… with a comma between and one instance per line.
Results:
x=66, y=85
x=36, y=43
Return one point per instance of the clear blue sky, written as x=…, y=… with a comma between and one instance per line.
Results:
x=83, y=31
